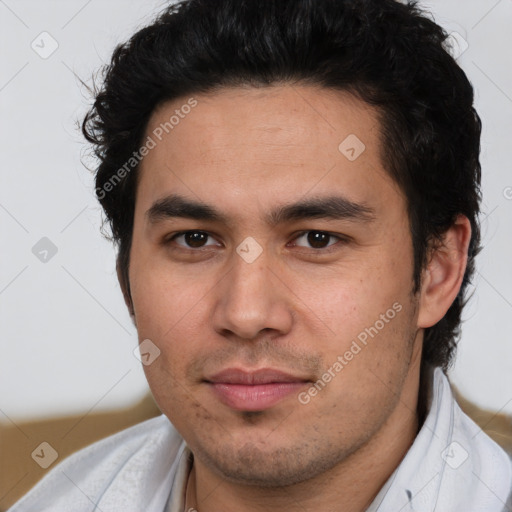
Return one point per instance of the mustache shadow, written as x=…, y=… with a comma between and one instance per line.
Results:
x=257, y=354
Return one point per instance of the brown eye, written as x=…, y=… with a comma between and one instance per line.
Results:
x=191, y=239
x=317, y=239
x=195, y=238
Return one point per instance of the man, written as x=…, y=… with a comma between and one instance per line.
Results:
x=293, y=186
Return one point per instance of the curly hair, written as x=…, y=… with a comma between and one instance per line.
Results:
x=391, y=55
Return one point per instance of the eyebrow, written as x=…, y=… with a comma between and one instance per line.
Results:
x=330, y=207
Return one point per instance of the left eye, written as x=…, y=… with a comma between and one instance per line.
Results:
x=192, y=239
x=317, y=239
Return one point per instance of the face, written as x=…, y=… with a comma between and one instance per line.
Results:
x=272, y=265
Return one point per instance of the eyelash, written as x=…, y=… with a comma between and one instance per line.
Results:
x=327, y=249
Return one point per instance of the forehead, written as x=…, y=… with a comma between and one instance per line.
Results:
x=258, y=145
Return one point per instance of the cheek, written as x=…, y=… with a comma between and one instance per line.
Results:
x=370, y=320
x=357, y=299
x=165, y=301
x=369, y=365
x=173, y=313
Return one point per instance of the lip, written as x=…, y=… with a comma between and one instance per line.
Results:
x=254, y=390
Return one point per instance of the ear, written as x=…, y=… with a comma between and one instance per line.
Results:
x=125, y=288
x=442, y=278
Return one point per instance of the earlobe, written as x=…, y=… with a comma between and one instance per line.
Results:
x=442, y=278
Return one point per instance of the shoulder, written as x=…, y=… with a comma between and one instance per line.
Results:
x=476, y=465
x=487, y=458
x=128, y=465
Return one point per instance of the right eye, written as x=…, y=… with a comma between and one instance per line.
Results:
x=191, y=239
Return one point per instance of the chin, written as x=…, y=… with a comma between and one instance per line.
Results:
x=270, y=467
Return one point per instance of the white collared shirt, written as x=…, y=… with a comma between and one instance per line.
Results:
x=452, y=466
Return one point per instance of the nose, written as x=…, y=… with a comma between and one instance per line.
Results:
x=251, y=299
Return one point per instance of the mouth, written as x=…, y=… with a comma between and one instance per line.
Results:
x=254, y=390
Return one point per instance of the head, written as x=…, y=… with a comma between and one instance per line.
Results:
x=323, y=159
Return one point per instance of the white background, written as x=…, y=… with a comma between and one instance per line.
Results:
x=66, y=337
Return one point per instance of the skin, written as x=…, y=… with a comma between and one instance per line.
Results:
x=295, y=308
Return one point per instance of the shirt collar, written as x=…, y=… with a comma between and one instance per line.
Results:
x=451, y=465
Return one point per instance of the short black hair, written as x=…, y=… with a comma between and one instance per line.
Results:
x=390, y=54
